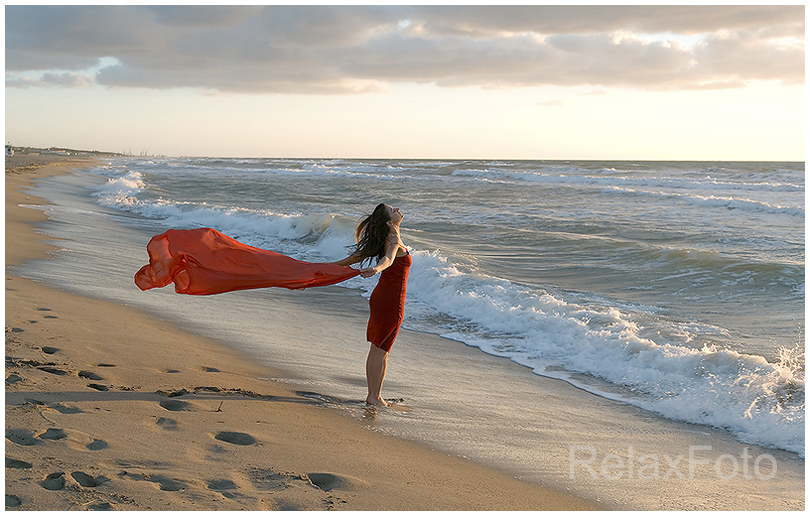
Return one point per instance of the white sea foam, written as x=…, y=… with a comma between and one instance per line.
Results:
x=759, y=401
x=121, y=191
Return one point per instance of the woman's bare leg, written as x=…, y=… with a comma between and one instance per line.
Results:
x=376, y=364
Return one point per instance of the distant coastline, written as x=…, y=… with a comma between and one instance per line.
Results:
x=61, y=151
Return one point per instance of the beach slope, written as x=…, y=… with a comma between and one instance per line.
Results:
x=108, y=408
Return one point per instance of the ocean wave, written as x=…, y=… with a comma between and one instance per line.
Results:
x=330, y=233
x=121, y=191
x=726, y=202
x=758, y=401
x=574, y=176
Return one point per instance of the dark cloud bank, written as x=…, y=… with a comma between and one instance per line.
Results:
x=322, y=49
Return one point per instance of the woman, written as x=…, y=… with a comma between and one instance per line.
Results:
x=203, y=261
x=378, y=239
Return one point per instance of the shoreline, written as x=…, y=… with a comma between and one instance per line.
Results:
x=107, y=407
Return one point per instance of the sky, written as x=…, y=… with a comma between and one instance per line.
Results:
x=453, y=82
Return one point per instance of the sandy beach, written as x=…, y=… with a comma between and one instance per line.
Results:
x=109, y=408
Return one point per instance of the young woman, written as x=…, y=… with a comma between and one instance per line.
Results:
x=203, y=261
x=378, y=239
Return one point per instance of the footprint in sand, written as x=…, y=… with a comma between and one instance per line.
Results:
x=223, y=486
x=269, y=480
x=319, y=397
x=54, y=481
x=98, y=506
x=17, y=464
x=166, y=483
x=89, y=375
x=12, y=501
x=53, y=434
x=175, y=405
x=22, y=437
x=167, y=423
x=238, y=438
x=53, y=370
x=98, y=387
x=328, y=481
x=81, y=441
x=65, y=409
x=96, y=445
x=86, y=480
x=13, y=378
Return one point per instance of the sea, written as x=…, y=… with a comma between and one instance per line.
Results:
x=674, y=288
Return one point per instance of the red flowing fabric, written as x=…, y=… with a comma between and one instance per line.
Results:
x=204, y=261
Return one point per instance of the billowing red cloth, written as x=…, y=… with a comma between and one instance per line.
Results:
x=204, y=261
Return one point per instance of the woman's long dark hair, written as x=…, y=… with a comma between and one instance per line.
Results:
x=371, y=233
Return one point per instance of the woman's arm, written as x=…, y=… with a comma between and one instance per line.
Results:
x=349, y=260
x=383, y=264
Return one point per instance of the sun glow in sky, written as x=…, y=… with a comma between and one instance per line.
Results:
x=525, y=82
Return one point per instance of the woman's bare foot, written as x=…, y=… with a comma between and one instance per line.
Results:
x=378, y=402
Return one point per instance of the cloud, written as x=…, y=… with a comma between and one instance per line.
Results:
x=354, y=49
x=50, y=80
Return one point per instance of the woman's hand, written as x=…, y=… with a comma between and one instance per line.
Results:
x=368, y=272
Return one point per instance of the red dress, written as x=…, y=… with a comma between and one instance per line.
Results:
x=387, y=303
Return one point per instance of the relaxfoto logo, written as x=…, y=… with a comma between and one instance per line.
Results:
x=654, y=467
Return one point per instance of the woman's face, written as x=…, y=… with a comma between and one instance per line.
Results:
x=394, y=215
